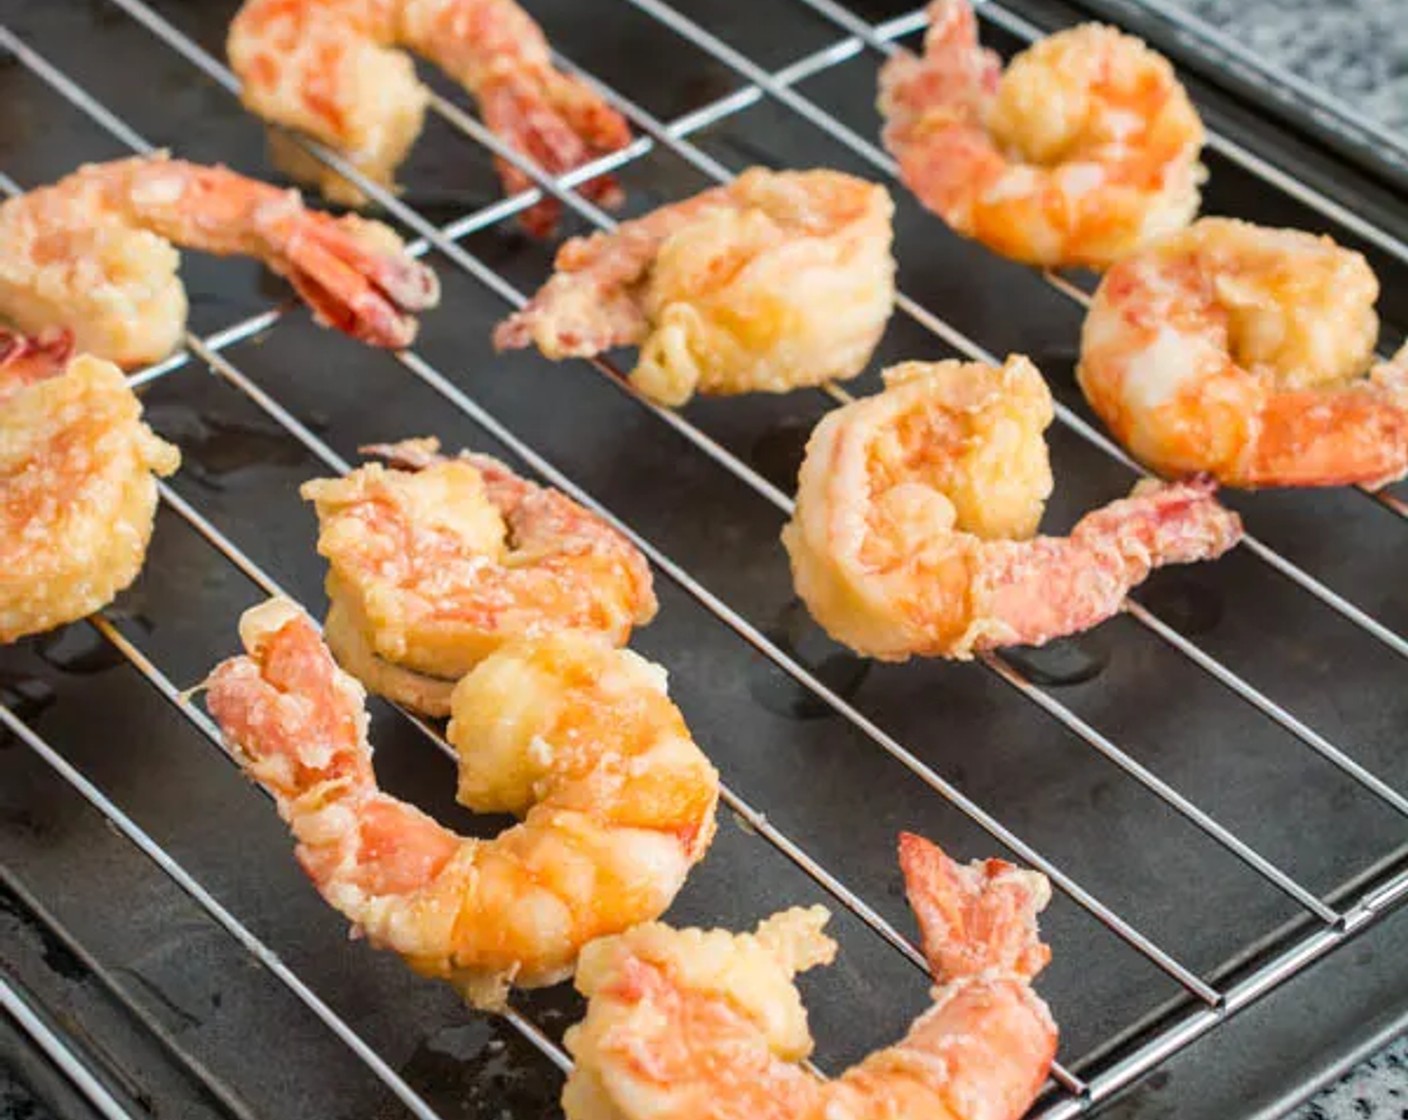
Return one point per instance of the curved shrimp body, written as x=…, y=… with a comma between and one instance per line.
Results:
x=437, y=562
x=699, y=1025
x=914, y=508
x=1083, y=150
x=778, y=280
x=93, y=253
x=77, y=486
x=326, y=68
x=577, y=738
x=1241, y=351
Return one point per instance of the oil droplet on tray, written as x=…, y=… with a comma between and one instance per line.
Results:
x=78, y=648
x=801, y=639
x=214, y=445
x=1064, y=661
x=778, y=452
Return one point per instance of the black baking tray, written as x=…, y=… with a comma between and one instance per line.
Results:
x=179, y=1019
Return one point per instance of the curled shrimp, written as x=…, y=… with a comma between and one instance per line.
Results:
x=778, y=280
x=326, y=68
x=706, y=1025
x=914, y=509
x=436, y=562
x=1242, y=351
x=1083, y=150
x=93, y=253
x=77, y=486
x=579, y=739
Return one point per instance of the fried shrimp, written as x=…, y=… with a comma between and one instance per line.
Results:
x=435, y=563
x=1242, y=351
x=707, y=1025
x=77, y=486
x=776, y=281
x=325, y=68
x=579, y=739
x=914, y=509
x=1083, y=150
x=93, y=253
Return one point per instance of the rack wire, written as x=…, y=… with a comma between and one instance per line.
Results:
x=1205, y=1003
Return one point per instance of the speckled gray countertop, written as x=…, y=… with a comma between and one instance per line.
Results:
x=1357, y=51
x=1376, y=1090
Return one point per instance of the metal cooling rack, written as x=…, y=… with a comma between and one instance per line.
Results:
x=1315, y=919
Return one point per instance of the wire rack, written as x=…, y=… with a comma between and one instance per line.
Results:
x=1307, y=914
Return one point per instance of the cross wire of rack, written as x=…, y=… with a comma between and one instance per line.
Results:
x=1070, y=1093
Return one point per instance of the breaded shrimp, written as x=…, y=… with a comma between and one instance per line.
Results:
x=438, y=562
x=77, y=486
x=914, y=509
x=708, y=1025
x=93, y=254
x=1242, y=351
x=579, y=739
x=776, y=281
x=1083, y=150
x=326, y=68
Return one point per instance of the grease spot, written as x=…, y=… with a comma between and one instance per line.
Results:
x=1063, y=661
x=778, y=452
x=215, y=445
x=800, y=638
x=26, y=696
x=78, y=649
x=483, y=1069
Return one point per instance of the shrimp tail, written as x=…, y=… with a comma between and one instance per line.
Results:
x=574, y=316
x=1164, y=523
x=560, y=124
x=951, y=80
x=287, y=711
x=352, y=284
x=28, y=358
x=930, y=105
x=299, y=727
x=953, y=26
x=407, y=454
x=355, y=274
x=977, y=917
x=1032, y=591
x=1314, y=437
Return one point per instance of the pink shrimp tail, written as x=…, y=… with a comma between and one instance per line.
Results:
x=1165, y=523
x=25, y=359
x=933, y=107
x=1315, y=437
x=281, y=708
x=953, y=28
x=298, y=728
x=557, y=124
x=951, y=81
x=574, y=315
x=976, y=917
x=364, y=292
x=407, y=454
x=1033, y=591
